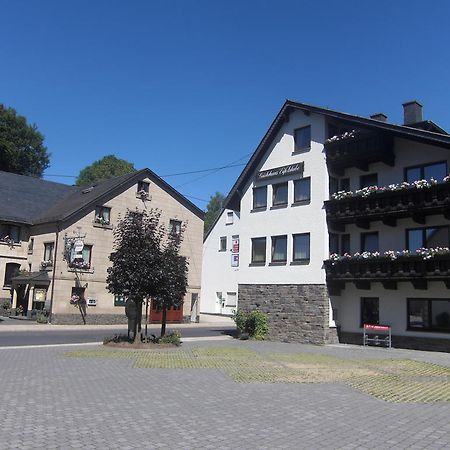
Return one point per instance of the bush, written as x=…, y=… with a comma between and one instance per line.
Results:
x=253, y=324
x=116, y=338
x=5, y=304
x=42, y=317
x=172, y=338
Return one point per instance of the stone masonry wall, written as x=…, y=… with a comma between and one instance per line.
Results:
x=91, y=319
x=297, y=313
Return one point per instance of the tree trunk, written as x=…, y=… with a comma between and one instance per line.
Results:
x=137, y=334
x=163, y=321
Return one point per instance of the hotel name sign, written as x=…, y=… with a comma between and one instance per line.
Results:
x=291, y=169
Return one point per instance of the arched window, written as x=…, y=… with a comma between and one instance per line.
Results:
x=11, y=270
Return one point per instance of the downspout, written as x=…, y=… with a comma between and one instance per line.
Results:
x=54, y=272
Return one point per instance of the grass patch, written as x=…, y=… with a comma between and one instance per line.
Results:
x=391, y=380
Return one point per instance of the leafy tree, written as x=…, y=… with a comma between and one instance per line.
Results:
x=146, y=263
x=136, y=270
x=22, y=149
x=173, y=285
x=213, y=209
x=107, y=167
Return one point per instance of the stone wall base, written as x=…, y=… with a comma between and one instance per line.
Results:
x=296, y=312
x=409, y=342
x=91, y=319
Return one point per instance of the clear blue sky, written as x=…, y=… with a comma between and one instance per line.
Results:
x=186, y=85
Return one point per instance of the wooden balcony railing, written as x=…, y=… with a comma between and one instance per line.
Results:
x=388, y=206
x=363, y=271
x=359, y=151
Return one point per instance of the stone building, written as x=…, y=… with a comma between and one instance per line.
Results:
x=60, y=237
x=344, y=221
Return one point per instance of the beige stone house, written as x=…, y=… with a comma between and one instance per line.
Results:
x=60, y=237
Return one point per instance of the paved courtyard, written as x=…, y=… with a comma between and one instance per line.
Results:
x=252, y=396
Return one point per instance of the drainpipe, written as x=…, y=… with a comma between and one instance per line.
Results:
x=54, y=272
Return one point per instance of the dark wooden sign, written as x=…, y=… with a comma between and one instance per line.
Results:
x=291, y=169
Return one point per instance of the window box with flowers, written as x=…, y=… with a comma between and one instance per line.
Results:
x=46, y=265
x=102, y=218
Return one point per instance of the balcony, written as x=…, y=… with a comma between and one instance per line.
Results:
x=389, y=205
x=358, y=149
x=363, y=271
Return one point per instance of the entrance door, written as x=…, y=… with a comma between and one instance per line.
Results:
x=194, y=307
x=174, y=313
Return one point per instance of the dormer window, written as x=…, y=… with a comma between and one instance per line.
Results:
x=102, y=215
x=143, y=189
x=9, y=234
x=175, y=227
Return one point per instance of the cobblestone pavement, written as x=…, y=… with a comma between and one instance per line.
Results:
x=51, y=401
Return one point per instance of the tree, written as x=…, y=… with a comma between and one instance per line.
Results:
x=146, y=263
x=22, y=149
x=213, y=209
x=136, y=271
x=174, y=281
x=107, y=167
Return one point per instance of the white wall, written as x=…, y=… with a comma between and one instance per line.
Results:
x=392, y=306
x=217, y=273
x=293, y=219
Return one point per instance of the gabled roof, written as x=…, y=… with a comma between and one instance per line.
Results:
x=23, y=199
x=34, y=201
x=85, y=198
x=408, y=132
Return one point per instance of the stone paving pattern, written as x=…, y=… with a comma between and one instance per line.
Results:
x=52, y=401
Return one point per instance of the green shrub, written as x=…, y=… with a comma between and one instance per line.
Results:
x=42, y=318
x=240, y=319
x=5, y=304
x=116, y=338
x=172, y=338
x=254, y=323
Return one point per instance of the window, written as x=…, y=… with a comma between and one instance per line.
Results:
x=302, y=139
x=174, y=226
x=259, y=250
x=302, y=190
x=81, y=260
x=345, y=244
x=229, y=218
x=11, y=270
x=143, y=187
x=301, y=251
x=370, y=311
x=427, y=171
x=279, y=249
x=260, y=197
x=30, y=246
x=368, y=180
x=120, y=300
x=429, y=237
x=280, y=194
x=344, y=184
x=223, y=244
x=231, y=299
x=369, y=242
x=48, y=251
x=102, y=215
x=334, y=243
x=428, y=314
x=333, y=185
x=9, y=233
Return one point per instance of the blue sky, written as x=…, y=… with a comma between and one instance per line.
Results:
x=186, y=85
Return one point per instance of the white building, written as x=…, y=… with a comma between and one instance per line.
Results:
x=289, y=226
x=220, y=272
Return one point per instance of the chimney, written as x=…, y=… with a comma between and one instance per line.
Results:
x=379, y=116
x=412, y=112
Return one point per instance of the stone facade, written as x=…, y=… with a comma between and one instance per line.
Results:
x=411, y=342
x=91, y=319
x=296, y=312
